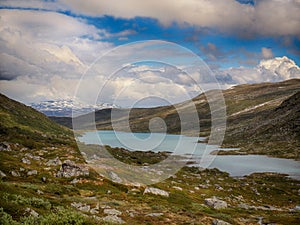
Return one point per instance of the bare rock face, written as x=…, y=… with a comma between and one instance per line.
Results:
x=215, y=203
x=156, y=191
x=70, y=169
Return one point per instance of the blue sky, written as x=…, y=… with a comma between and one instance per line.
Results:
x=45, y=44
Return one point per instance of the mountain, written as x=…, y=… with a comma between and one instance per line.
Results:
x=261, y=118
x=66, y=108
x=268, y=70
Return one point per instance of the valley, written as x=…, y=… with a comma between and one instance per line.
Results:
x=46, y=180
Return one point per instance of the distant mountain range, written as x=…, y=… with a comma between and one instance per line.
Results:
x=67, y=108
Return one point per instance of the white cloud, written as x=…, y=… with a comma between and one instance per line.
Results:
x=268, y=17
x=268, y=70
x=43, y=54
x=267, y=53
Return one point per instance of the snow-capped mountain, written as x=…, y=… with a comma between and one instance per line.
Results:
x=269, y=70
x=65, y=107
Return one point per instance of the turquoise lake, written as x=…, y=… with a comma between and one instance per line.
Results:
x=235, y=165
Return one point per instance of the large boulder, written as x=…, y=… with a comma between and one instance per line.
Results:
x=156, y=191
x=215, y=203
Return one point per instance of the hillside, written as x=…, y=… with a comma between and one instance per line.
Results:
x=261, y=119
x=24, y=125
x=45, y=180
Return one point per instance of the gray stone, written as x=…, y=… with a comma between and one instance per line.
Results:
x=2, y=174
x=156, y=191
x=244, y=206
x=5, y=146
x=112, y=212
x=81, y=207
x=177, y=188
x=15, y=173
x=74, y=181
x=32, y=172
x=54, y=162
x=39, y=192
x=215, y=203
x=31, y=212
x=70, y=169
x=220, y=222
x=155, y=214
x=114, y=177
x=113, y=219
x=25, y=161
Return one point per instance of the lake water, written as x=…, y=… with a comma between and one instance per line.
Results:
x=235, y=165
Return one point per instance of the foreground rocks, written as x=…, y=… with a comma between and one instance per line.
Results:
x=215, y=203
x=156, y=191
x=70, y=169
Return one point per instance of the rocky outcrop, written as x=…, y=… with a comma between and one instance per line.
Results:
x=70, y=169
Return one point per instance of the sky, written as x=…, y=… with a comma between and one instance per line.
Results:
x=58, y=49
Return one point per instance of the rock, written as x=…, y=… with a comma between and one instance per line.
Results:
x=112, y=212
x=2, y=174
x=32, y=172
x=155, y=214
x=54, y=162
x=70, y=169
x=94, y=211
x=25, y=161
x=114, y=177
x=39, y=192
x=113, y=219
x=22, y=169
x=74, y=181
x=44, y=179
x=15, y=173
x=177, y=188
x=81, y=207
x=215, y=203
x=203, y=186
x=37, y=158
x=156, y=191
x=31, y=212
x=197, y=188
x=5, y=146
x=297, y=208
x=220, y=222
x=244, y=206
